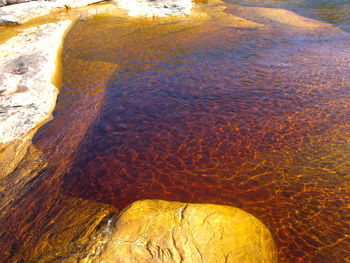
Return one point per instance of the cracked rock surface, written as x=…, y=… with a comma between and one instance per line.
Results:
x=161, y=231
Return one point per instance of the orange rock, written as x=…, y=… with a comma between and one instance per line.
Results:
x=161, y=231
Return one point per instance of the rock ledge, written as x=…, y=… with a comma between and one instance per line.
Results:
x=161, y=231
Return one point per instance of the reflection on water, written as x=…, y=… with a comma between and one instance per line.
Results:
x=250, y=111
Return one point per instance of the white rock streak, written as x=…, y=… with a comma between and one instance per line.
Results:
x=152, y=8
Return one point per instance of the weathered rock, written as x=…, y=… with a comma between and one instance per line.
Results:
x=27, y=95
x=76, y=3
x=160, y=231
x=12, y=2
x=149, y=8
x=25, y=11
x=20, y=13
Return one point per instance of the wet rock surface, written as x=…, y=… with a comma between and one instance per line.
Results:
x=160, y=231
x=15, y=187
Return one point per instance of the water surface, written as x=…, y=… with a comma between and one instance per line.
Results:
x=336, y=12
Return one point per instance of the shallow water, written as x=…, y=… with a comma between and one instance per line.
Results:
x=336, y=12
x=205, y=108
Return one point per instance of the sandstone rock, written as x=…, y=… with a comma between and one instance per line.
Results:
x=160, y=231
x=27, y=95
x=149, y=8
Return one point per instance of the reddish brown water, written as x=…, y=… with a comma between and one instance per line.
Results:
x=254, y=118
x=258, y=125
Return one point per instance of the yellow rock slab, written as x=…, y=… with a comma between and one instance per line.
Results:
x=161, y=231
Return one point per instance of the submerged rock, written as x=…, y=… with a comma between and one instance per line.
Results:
x=16, y=186
x=149, y=8
x=27, y=95
x=161, y=231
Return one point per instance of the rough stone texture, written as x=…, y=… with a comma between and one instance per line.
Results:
x=20, y=13
x=149, y=8
x=27, y=95
x=23, y=12
x=160, y=231
x=12, y=2
x=76, y=3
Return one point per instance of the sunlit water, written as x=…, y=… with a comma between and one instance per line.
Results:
x=336, y=12
x=186, y=110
